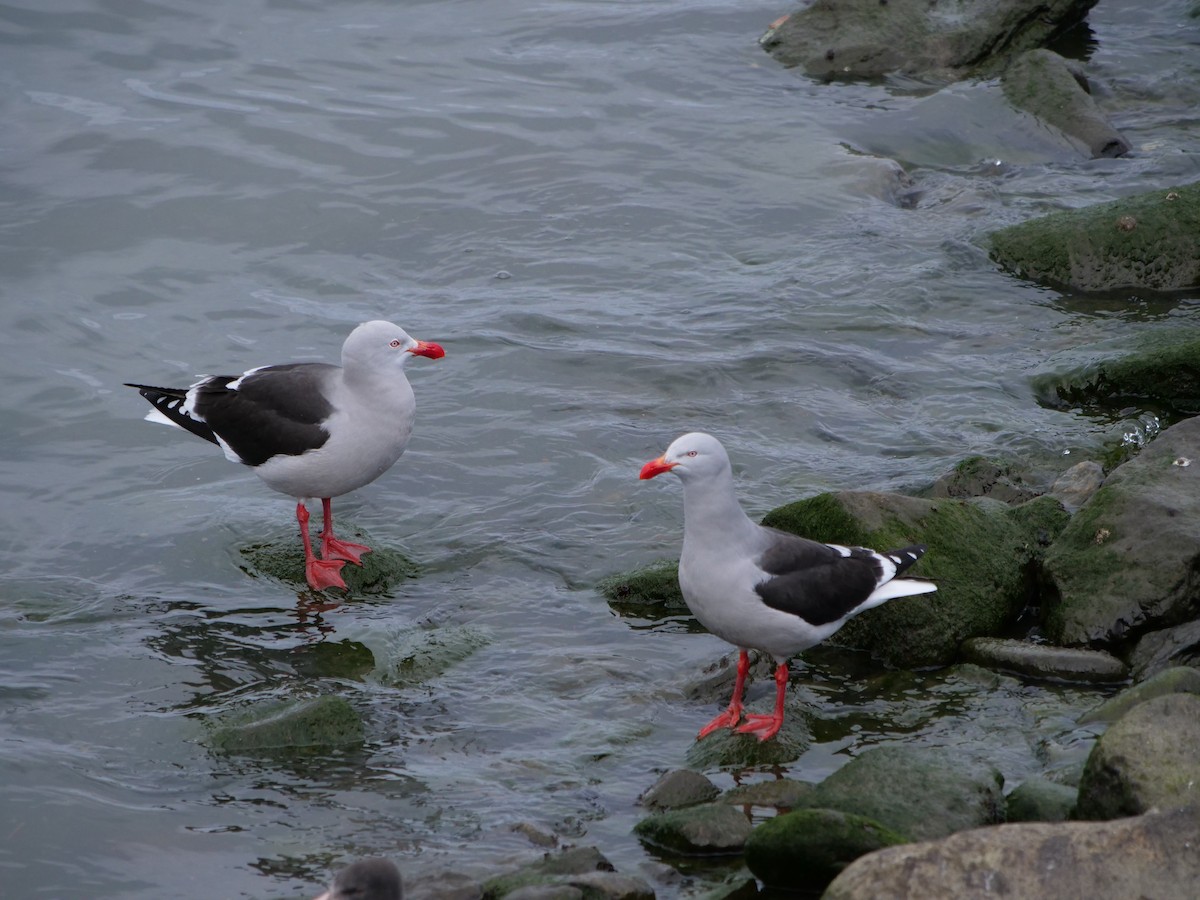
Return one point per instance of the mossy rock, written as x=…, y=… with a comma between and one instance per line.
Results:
x=1164, y=378
x=1040, y=800
x=807, y=848
x=333, y=659
x=918, y=793
x=1149, y=758
x=1055, y=90
x=1126, y=562
x=548, y=871
x=1176, y=680
x=725, y=748
x=326, y=721
x=651, y=592
x=709, y=829
x=1150, y=241
x=980, y=555
x=381, y=571
x=851, y=39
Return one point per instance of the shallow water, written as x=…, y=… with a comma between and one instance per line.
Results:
x=623, y=221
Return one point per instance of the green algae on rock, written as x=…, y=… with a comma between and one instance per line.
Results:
x=1125, y=563
x=805, y=849
x=870, y=39
x=1055, y=90
x=920, y=793
x=381, y=571
x=326, y=721
x=1176, y=680
x=651, y=592
x=1149, y=241
x=1148, y=758
x=709, y=829
x=1164, y=376
x=1040, y=800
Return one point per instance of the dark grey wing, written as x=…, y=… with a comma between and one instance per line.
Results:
x=273, y=411
x=815, y=581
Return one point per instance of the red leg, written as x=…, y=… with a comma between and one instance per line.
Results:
x=733, y=714
x=321, y=573
x=765, y=726
x=331, y=547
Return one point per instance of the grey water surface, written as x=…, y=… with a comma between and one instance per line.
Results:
x=622, y=221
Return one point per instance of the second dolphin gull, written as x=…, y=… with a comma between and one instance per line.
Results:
x=367, y=879
x=310, y=429
x=763, y=589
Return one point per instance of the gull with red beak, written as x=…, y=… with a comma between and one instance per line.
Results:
x=763, y=589
x=309, y=429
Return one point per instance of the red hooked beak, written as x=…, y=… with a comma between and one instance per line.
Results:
x=427, y=348
x=656, y=467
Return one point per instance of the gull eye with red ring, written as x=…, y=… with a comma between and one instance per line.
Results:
x=395, y=343
x=693, y=453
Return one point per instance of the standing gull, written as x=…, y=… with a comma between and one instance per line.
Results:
x=309, y=429
x=763, y=589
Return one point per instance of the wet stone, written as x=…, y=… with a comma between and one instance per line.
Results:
x=781, y=793
x=920, y=793
x=807, y=848
x=677, y=789
x=1039, y=800
x=1176, y=680
x=1044, y=660
x=1149, y=758
x=710, y=829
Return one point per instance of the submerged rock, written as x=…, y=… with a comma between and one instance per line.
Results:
x=918, y=793
x=979, y=476
x=648, y=593
x=711, y=829
x=1165, y=376
x=1148, y=241
x=1149, y=758
x=416, y=656
x=1044, y=660
x=1125, y=563
x=1075, y=487
x=1177, y=680
x=869, y=38
x=807, y=848
x=381, y=571
x=1055, y=90
x=322, y=722
x=1149, y=856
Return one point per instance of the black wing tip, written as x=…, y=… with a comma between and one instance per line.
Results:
x=904, y=557
x=144, y=389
